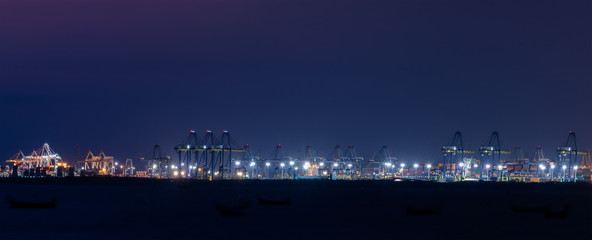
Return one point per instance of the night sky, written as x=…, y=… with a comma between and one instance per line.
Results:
x=122, y=75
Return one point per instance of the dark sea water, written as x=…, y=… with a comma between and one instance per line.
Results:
x=119, y=208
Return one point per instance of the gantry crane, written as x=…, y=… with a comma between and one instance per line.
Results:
x=158, y=163
x=250, y=162
x=276, y=163
x=337, y=165
x=129, y=168
x=44, y=158
x=586, y=161
x=216, y=155
x=383, y=161
x=452, y=152
x=353, y=162
x=491, y=153
x=539, y=156
x=520, y=155
x=100, y=164
x=190, y=144
x=312, y=162
x=567, y=154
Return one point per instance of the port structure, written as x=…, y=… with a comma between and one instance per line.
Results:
x=312, y=165
x=39, y=163
x=158, y=165
x=352, y=163
x=586, y=161
x=188, y=147
x=43, y=157
x=18, y=159
x=567, y=155
x=490, y=155
x=384, y=163
x=520, y=156
x=346, y=165
x=279, y=155
x=454, y=155
x=248, y=166
x=539, y=156
x=206, y=158
x=278, y=162
x=226, y=145
x=338, y=161
x=337, y=155
x=516, y=166
x=129, y=169
x=98, y=164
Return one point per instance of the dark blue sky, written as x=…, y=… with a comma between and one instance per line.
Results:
x=123, y=75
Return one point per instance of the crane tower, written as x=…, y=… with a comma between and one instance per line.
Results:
x=491, y=153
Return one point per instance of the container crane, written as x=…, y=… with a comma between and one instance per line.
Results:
x=454, y=154
x=491, y=154
x=567, y=154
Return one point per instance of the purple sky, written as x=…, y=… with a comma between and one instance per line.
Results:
x=121, y=76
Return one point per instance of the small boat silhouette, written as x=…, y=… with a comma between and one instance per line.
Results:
x=557, y=214
x=274, y=201
x=238, y=210
x=23, y=204
x=422, y=211
x=529, y=209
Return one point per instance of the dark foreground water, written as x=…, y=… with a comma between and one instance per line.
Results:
x=118, y=208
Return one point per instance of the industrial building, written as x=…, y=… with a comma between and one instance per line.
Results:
x=211, y=157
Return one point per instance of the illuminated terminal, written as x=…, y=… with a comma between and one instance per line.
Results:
x=222, y=158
